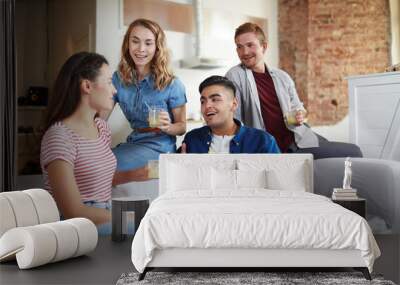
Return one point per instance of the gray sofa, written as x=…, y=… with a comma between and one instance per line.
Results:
x=377, y=180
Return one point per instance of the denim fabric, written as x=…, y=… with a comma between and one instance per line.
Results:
x=103, y=229
x=134, y=100
x=247, y=140
x=136, y=155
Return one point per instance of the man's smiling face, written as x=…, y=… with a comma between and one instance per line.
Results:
x=218, y=105
x=250, y=50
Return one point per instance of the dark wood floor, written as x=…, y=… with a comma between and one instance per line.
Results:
x=102, y=266
x=389, y=262
x=110, y=260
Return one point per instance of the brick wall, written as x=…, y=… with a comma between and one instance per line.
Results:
x=323, y=41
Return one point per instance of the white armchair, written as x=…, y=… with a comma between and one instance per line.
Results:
x=40, y=244
x=31, y=233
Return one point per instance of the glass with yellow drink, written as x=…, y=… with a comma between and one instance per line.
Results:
x=154, y=120
x=290, y=117
x=153, y=169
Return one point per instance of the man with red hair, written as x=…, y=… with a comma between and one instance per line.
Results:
x=268, y=100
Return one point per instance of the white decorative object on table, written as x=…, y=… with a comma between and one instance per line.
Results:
x=347, y=174
x=347, y=192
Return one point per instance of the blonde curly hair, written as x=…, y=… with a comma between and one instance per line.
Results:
x=159, y=64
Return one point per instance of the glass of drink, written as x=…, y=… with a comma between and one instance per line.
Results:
x=154, y=119
x=153, y=169
x=290, y=117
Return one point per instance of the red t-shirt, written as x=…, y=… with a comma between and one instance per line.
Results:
x=271, y=110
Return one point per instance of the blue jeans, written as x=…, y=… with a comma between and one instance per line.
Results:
x=103, y=229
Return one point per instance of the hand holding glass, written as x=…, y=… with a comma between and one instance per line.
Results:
x=154, y=117
x=295, y=117
x=164, y=121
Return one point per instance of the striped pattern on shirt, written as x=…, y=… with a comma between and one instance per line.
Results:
x=93, y=161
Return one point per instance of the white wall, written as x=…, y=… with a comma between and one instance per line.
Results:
x=395, y=29
x=338, y=132
x=256, y=8
x=109, y=35
x=110, y=32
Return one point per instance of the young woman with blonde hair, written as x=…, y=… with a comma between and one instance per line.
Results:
x=143, y=82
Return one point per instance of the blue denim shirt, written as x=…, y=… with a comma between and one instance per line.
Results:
x=247, y=140
x=133, y=99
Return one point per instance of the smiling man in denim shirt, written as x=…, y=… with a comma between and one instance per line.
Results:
x=223, y=133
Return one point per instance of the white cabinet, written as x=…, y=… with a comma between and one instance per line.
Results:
x=374, y=114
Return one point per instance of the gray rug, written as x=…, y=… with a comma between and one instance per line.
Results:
x=243, y=278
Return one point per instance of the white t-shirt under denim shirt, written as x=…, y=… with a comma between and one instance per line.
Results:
x=220, y=144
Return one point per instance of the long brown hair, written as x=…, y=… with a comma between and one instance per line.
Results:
x=66, y=92
x=160, y=62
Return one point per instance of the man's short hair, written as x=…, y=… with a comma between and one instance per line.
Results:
x=251, y=28
x=218, y=80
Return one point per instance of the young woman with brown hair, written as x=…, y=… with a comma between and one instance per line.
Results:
x=77, y=162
